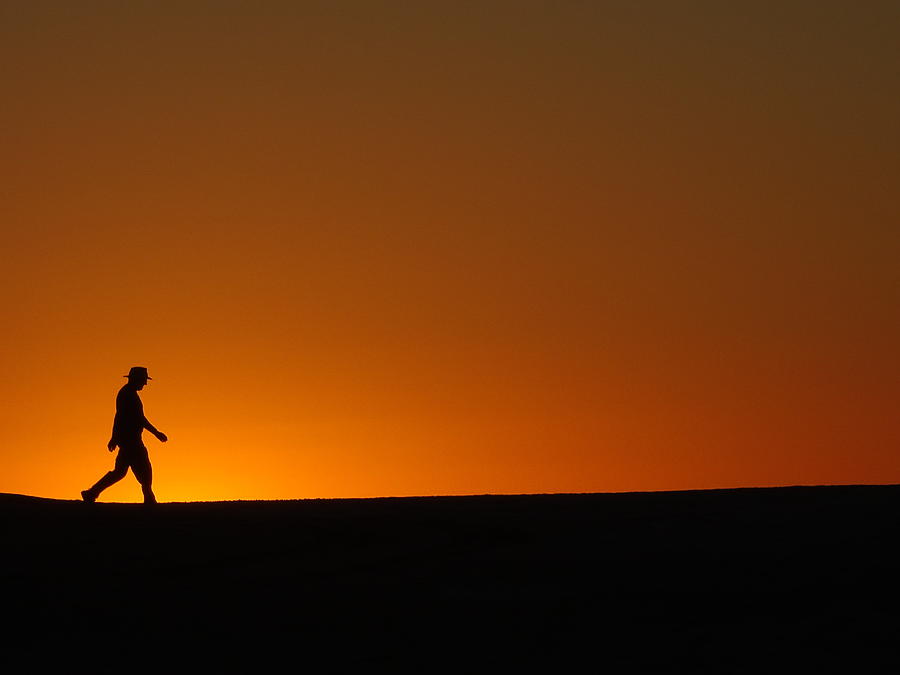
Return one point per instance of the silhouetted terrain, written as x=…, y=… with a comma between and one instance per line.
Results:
x=724, y=581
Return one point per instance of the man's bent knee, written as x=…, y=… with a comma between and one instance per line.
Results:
x=117, y=474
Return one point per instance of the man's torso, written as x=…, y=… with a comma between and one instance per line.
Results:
x=129, y=421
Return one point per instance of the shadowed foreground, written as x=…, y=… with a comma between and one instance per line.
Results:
x=724, y=580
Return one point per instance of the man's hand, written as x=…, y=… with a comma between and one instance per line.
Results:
x=162, y=437
x=111, y=445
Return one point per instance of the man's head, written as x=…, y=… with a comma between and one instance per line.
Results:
x=137, y=377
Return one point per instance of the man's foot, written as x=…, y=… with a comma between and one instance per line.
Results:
x=88, y=496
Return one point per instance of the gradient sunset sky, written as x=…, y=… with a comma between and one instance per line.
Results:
x=410, y=248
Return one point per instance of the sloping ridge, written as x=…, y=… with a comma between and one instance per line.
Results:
x=720, y=579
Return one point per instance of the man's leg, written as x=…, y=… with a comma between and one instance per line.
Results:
x=114, y=476
x=140, y=465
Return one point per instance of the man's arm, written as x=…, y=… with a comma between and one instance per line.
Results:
x=113, y=441
x=156, y=432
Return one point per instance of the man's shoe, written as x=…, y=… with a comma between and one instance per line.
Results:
x=88, y=496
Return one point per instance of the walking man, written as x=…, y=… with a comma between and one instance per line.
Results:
x=128, y=426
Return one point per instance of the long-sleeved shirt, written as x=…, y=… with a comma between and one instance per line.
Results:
x=128, y=425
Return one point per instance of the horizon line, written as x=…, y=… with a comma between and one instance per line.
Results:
x=4, y=495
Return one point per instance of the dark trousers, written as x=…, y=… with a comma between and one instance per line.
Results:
x=138, y=460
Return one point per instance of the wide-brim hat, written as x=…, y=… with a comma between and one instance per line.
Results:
x=137, y=371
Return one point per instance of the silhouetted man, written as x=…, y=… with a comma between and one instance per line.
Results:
x=128, y=427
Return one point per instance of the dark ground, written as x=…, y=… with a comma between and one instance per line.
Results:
x=711, y=581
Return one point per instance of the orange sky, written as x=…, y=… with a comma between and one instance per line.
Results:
x=446, y=248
